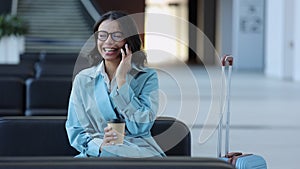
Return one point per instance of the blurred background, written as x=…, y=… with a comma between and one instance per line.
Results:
x=45, y=37
x=263, y=35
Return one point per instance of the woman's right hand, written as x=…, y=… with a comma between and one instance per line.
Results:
x=109, y=137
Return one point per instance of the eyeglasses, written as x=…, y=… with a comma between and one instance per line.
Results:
x=103, y=35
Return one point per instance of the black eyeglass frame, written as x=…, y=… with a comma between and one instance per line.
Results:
x=112, y=35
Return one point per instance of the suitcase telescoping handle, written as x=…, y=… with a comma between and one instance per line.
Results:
x=227, y=60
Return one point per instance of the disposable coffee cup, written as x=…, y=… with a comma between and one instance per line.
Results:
x=118, y=125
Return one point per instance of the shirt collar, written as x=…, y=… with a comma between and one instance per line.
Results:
x=101, y=69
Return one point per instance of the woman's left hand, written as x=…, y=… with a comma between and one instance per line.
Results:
x=109, y=137
x=124, y=66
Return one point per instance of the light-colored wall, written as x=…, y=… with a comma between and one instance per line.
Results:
x=236, y=33
x=274, y=38
x=282, y=39
x=297, y=42
x=281, y=47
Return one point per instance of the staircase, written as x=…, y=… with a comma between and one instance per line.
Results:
x=56, y=26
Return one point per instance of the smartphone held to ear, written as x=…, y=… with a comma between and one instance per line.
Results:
x=124, y=49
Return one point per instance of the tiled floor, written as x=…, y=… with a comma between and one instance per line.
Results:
x=265, y=112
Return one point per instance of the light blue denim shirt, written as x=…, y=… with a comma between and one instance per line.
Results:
x=91, y=106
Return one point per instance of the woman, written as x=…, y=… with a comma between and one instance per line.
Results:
x=118, y=85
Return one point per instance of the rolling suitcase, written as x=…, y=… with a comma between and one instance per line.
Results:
x=238, y=159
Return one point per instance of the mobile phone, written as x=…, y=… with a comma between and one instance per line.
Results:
x=124, y=49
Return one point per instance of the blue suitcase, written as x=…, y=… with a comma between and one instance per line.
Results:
x=245, y=161
x=237, y=159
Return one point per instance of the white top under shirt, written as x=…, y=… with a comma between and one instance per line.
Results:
x=109, y=84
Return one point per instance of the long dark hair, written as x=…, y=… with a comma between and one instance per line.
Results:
x=129, y=29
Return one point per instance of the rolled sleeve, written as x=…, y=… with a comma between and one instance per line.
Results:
x=94, y=147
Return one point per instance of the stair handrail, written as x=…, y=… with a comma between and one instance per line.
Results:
x=90, y=9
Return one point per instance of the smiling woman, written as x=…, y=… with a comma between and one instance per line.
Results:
x=117, y=86
x=127, y=30
x=110, y=46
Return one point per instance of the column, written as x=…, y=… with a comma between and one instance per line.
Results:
x=274, y=38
